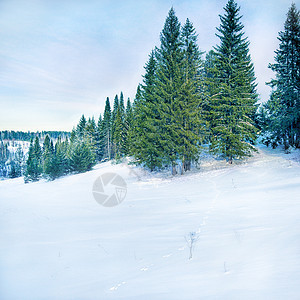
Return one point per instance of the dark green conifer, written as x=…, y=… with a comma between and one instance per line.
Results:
x=60, y=161
x=99, y=139
x=284, y=104
x=190, y=118
x=233, y=90
x=107, y=131
x=48, y=152
x=34, y=161
x=168, y=89
x=127, y=127
x=81, y=126
x=81, y=156
x=144, y=135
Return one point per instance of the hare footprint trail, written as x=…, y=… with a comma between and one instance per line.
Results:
x=167, y=255
x=168, y=258
x=114, y=288
x=211, y=207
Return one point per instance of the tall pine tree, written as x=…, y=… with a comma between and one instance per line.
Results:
x=81, y=126
x=60, y=164
x=127, y=127
x=81, y=156
x=169, y=80
x=34, y=166
x=284, y=104
x=48, y=153
x=233, y=90
x=119, y=127
x=107, y=131
x=99, y=139
x=190, y=120
x=145, y=140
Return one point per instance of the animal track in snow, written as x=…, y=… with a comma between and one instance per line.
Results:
x=114, y=288
x=167, y=255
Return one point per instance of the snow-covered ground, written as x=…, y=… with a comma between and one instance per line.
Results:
x=57, y=242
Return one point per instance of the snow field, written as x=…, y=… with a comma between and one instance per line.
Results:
x=58, y=243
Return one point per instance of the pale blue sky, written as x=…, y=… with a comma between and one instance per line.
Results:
x=62, y=58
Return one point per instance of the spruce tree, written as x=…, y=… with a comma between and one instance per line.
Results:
x=90, y=133
x=16, y=163
x=190, y=120
x=113, y=124
x=73, y=135
x=210, y=70
x=233, y=90
x=119, y=127
x=99, y=139
x=81, y=126
x=34, y=161
x=127, y=127
x=284, y=103
x=60, y=164
x=19, y=161
x=81, y=156
x=4, y=153
x=118, y=134
x=107, y=131
x=123, y=130
x=144, y=135
x=169, y=80
x=121, y=104
x=90, y=128
x=13, y=170
x=269, y=121
x=4, y=156
x=48, y=152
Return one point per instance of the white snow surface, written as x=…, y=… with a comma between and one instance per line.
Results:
x=57, y=242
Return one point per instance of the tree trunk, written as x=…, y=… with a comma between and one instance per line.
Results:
x=182, y=168
x=286, y=143
x=297, y=141
x=174, y=172
x=188, y=165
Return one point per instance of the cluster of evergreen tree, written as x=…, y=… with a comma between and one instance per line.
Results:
x=47, y=161
x=280, y=116
x=89, y=142
x=12, y=162
x=4, y=157
x=16, y=163
x=111, y=135
x=11, y=135
x=185, y=101
x=52, y=161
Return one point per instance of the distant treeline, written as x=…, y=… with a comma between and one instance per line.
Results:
x=27, y=136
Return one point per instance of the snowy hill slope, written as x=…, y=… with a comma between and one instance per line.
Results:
x=57, y=242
